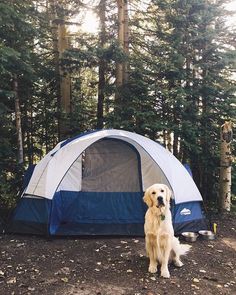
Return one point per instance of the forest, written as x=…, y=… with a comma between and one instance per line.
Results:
x=161, y=68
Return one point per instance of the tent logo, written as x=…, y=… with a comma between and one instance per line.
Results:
x=185, y=211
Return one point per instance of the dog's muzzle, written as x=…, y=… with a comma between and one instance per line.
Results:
x=160, y=201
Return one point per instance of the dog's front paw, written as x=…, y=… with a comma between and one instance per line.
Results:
x=152, y=269
x=165, y=273
x=178, y=263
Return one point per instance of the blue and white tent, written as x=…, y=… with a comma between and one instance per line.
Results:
x=93, y=184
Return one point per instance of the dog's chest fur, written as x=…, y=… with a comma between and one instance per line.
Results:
x=156, y=222
x=165, y=222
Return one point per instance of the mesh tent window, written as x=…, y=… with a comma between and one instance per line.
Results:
x=111, y=165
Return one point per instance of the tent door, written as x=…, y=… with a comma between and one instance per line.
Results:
x=110, y=201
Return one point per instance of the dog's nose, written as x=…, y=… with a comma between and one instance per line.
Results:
x=160, y=199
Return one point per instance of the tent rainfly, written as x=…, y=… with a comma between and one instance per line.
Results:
x=93, y=184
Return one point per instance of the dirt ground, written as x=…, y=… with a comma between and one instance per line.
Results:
x=114, y=266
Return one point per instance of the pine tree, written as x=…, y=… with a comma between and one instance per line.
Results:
x=188, y=55
x=16, y=37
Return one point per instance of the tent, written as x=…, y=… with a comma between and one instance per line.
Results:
x=93, y=184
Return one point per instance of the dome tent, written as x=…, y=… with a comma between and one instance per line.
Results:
x=93, y=184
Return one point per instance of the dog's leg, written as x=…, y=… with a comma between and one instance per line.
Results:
x=176, y=260
x=151, y=248
x=153, y=263
x=165, y=245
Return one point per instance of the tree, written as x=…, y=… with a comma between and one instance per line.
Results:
x=226, y=135
x=188, y=54
x=18, y=122
x=164, y=71
x=123, y=41
x=102, y=65
x=16, y=79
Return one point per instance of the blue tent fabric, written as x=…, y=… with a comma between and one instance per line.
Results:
x=188, y=216
x=187, y=167
x=86, y=213
x=31, y=216
x=71, y=209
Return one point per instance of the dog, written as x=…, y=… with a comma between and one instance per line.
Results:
x=161, y=245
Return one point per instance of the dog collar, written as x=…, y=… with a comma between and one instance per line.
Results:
x=162, y=216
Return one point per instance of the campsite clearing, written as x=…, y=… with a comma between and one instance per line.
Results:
x=114, y=266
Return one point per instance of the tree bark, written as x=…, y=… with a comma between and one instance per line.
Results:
x=102, y=66
x=20, y=151
x=225, y=166
x=51, y=5
x=29, y=131
x=119, y=65
x=65, y=84
x=60, y=45
x=169, y=141
x=126, y=42
x=176, y=144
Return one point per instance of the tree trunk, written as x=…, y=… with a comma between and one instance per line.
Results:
x=20, y=152
x=60, y=44
x=169, y=141
x=225, y=166
x=29, y=137
x=176, y=144
x=51, y=5
x=164, y=132
x=102, y=65
x=126, y=42
x=122, y=67
x=119, y=65
x=65, y=84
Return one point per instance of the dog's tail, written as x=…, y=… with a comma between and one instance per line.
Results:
x=184, y=249
x=151, y=245
x=181, y=249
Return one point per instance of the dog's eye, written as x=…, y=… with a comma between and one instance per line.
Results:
x=153, y=193
x=162, y=191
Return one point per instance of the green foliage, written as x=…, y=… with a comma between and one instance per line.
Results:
x=180, y=88
x=190, y=56
x=21, y=28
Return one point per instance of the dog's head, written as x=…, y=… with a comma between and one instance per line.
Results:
x=158, y=195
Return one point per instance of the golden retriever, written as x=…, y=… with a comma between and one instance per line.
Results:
x=161, y=244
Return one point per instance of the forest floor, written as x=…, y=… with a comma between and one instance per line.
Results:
x=114, y=266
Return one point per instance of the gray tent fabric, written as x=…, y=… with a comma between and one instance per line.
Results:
x=111, y=165
x=46, y=183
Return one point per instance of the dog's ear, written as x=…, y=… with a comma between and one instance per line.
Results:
x=147, y=198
